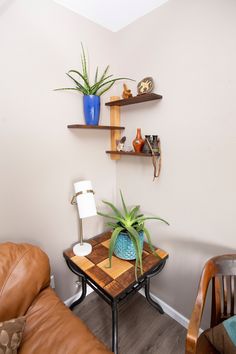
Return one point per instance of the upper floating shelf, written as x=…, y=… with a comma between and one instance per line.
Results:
x=132, y=153
x=136, y=99
x=101, y=127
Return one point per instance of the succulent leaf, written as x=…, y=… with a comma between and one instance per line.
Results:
x=132, y=224
x=112, y=242
x=102, y=85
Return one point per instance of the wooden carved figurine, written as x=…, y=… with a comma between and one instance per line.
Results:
x=126, y=93
x=121, y=144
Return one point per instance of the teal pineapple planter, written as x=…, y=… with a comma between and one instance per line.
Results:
x=124, y=247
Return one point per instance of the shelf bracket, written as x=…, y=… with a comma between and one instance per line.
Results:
x=115, y=120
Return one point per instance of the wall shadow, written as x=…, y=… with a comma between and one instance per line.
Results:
x=5, y=5
x=177, y=284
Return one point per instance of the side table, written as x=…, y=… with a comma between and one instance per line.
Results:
x=116, y=283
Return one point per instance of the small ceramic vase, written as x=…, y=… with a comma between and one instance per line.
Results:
x=138, y=142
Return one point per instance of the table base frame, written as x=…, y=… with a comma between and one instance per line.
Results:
x=113, y=302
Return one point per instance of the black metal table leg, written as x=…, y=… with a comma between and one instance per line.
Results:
x=114, y=327
x=132, y=288
x=149, y=299
x=83, y=295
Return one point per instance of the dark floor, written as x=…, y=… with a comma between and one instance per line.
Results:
x=141, y=328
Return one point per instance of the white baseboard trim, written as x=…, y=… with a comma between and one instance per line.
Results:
x=73, y=298
x=167, y=309
x=170, y=311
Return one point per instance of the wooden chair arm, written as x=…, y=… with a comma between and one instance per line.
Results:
x=195, y=320
x=193, y=329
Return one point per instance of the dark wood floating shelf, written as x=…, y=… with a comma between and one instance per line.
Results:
x=101, y=127
x=131, y=153
x=136, y=99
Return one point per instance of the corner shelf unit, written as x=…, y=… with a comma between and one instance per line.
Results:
x=115, y=128
x=115, y=104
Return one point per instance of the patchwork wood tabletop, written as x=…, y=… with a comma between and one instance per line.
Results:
x=121, y=275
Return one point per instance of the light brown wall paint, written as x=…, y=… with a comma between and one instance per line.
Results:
x=189, y=48
x=40, y=158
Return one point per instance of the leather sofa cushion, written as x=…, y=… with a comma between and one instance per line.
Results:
x=52, y=328
x=24, y=272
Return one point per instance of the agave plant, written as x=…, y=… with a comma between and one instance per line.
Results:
x=132, y=223
x=101, y=84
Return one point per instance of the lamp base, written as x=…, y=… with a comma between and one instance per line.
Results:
x=82, y=250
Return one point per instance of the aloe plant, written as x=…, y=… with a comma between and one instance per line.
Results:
x=131, y=222
x=82, y=83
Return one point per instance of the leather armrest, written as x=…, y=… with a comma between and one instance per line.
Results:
x=52, y=328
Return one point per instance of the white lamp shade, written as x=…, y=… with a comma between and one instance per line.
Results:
x=85, y=200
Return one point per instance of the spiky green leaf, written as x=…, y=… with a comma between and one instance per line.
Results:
x=144, y=218
x=136, y=237
x=96, y=86
x=67, y=88
x=133, y=239
x=82, y=77
x=112, y=224
x=134, y=211
x=105, y=89
x=78, y=84
x=149, y=239
x=114, y=235
x=113, y=81
x=123, y=203
x=116, y=211
x=84, y=64
x=104, y=74
x=114, y=217
x=96, y=76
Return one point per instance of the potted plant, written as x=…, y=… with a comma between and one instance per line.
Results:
x=91, y=91
x=128, y=233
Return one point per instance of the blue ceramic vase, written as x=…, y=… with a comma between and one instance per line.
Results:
x=91, y=109
x=124, y=247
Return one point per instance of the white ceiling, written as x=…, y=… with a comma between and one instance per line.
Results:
x=112, y=14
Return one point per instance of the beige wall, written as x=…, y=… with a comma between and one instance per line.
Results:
x=189, y=48
x=40, y=158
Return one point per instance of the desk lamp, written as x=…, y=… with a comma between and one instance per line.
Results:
x=84, y=198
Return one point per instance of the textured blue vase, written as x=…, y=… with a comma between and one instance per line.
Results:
x=124, y=247
x=91, y=109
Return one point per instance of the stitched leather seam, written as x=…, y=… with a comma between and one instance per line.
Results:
x=13, y=268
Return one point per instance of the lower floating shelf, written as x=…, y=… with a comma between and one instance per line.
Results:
x=101, y=127
x=132, y=153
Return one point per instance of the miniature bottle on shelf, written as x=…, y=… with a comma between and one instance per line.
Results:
x=151, y=144
x=155, y=144
x=138, y=142
x=146, y=147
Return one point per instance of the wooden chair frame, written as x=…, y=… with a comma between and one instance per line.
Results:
x=221, y=270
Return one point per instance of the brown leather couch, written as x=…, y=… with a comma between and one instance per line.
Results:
x=51, y=328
